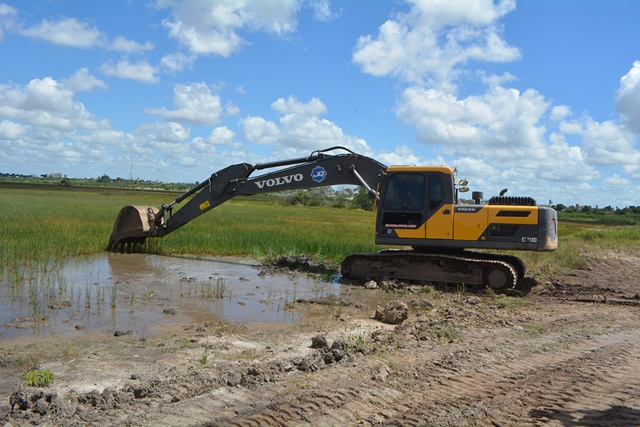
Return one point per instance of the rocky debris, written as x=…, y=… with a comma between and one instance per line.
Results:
x=33, y=399
x=381, y=374
x=319, y=341
x=424, y=304
x=34, y=405
x=120, y=333
x=371, y=284
x=394, y=313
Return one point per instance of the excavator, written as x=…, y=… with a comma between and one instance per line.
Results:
x=416, y=207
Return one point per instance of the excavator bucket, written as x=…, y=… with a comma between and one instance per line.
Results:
x=133, y=225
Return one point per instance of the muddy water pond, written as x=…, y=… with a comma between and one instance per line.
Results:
x=139, y=293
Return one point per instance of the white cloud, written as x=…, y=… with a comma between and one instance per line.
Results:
x=221, y=136
x=433, y=38
x=300, y=128
x=503, y=120
x=164, y=137
x=177, y=62
x=260, y=131
x=141, y=71
x=49, y=128
x=193, y=103
x=291, y=105
x=83, y=81
x=7, y=18
x=615, y=182
x=231, y=109
x=628, y=98
x=322, y=10
x=607, y=144
x=10, y=130
x=560, y=112
x=212, y=27
x=122, y=44
x=401, y=155
x=67, y=32
x=276, y=17
x=497, y=80
x=46, y=103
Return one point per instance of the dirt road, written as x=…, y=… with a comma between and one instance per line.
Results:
x=566, y=355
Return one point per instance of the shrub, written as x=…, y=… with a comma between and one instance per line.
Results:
x=39, y=378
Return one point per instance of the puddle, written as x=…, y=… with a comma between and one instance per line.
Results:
x=140, y=292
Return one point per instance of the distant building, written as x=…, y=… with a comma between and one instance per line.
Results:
x=57, y=175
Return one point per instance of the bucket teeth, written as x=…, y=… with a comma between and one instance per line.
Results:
x=126, y=245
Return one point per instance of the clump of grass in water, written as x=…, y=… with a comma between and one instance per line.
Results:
x=214, y=290
x=114, y=295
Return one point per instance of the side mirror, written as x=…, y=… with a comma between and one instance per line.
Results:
x=463, y=182
x=463, y=189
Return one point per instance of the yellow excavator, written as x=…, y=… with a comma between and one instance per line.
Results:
x=416, y=207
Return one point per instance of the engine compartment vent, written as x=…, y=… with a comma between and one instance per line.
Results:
x=512, y=201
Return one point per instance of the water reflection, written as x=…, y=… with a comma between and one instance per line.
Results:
x=140, y=292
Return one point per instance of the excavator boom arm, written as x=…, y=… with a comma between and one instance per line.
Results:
x=315, y=171
x=135, y=223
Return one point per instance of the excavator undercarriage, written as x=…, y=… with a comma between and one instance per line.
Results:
x=475, y=269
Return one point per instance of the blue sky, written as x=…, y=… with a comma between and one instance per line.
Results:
x=542, y=97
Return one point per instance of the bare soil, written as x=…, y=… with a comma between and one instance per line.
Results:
x=568, y=354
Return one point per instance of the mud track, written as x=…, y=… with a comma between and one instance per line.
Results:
x=568, y=354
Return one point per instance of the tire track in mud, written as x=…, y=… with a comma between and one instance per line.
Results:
x=304, y=409
x=579, y=381
x=567, y=386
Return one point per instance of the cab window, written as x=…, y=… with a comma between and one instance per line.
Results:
x=404, y=201
x=405, y=192
x=436, y=191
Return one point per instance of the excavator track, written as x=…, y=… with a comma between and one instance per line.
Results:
x=502, y=273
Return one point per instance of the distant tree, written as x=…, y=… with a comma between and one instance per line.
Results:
x=361, y=200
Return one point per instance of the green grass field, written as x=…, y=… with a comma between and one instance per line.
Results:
x=41, y=225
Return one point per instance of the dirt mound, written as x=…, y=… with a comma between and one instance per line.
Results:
x=302, y=262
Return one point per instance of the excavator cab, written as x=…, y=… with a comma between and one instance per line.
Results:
x=416, y=205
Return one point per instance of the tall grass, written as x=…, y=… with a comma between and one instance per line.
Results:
x=42, y=226
x=579, y=242
x=247, y=227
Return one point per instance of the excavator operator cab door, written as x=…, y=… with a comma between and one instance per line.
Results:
x=416, y=204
